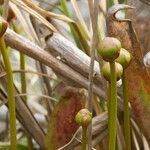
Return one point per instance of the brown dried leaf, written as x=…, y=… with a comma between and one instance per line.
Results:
x=62, y=125
x=137, y=75
x=34, y=13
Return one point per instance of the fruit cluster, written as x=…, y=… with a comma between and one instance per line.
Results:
x=111, y=50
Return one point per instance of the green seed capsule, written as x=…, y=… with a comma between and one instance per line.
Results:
x=106, y=71
x=83, y=117
x=124, y=58
x=109, y=49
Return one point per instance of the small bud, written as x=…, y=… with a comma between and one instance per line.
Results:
x=106, y=71
x=124, y=58
x=109, y=49
x=3, y=26
x=83, y=117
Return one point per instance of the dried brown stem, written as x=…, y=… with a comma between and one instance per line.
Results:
x=25, y=46
x=6, y=8
x=94, y=18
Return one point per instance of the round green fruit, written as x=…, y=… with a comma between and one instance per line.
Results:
x=109, y=49
x=83, y=117
x=106, y=71
x=124, y=58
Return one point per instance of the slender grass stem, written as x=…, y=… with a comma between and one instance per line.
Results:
x=23, y=83
x=76, y=32
x=22, y=65
x=108, y=101
x=23, y=77
x=67, y=13
x=112, y=108
x=84, y=138
x=11, y=98
x=126, y=113
x=24, y=91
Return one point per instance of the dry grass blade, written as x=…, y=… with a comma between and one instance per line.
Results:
x=39, y=95
x=35, y=14
x=46, y=13
x=102, y=15
x=50, y=5
x=24, y=24
x=93, y=7
x=80, y=18
x=31, y=72
x=27, y=47
x=5, y=13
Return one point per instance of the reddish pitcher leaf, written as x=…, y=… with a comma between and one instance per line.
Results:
x=138, y=80
x=62, y=124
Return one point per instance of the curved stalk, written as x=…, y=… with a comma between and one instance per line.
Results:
x=112, y=108
x=11, y=98
x=84, y=138
x=126, y=113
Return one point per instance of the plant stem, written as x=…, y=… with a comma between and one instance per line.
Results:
x=84, y=138
x=24, y=91
x=23, y=78
x=11, y=99
x=112, y=108
x=76, y=32
x=22, y=65
x=23, y=84
x=67, y=13
x=108, y=100
x=126, y=113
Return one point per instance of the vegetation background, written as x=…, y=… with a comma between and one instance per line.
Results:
x=51, y=46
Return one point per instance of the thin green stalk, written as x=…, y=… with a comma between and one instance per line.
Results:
x=84, y=138
x=11, y=96
x=23, y=78
x=112, y=108
x=67, y=13
x=108, y=101
x=75, y=31
x=24, y=90
x=126, y=113
x=22, y=65
x=23, y=83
